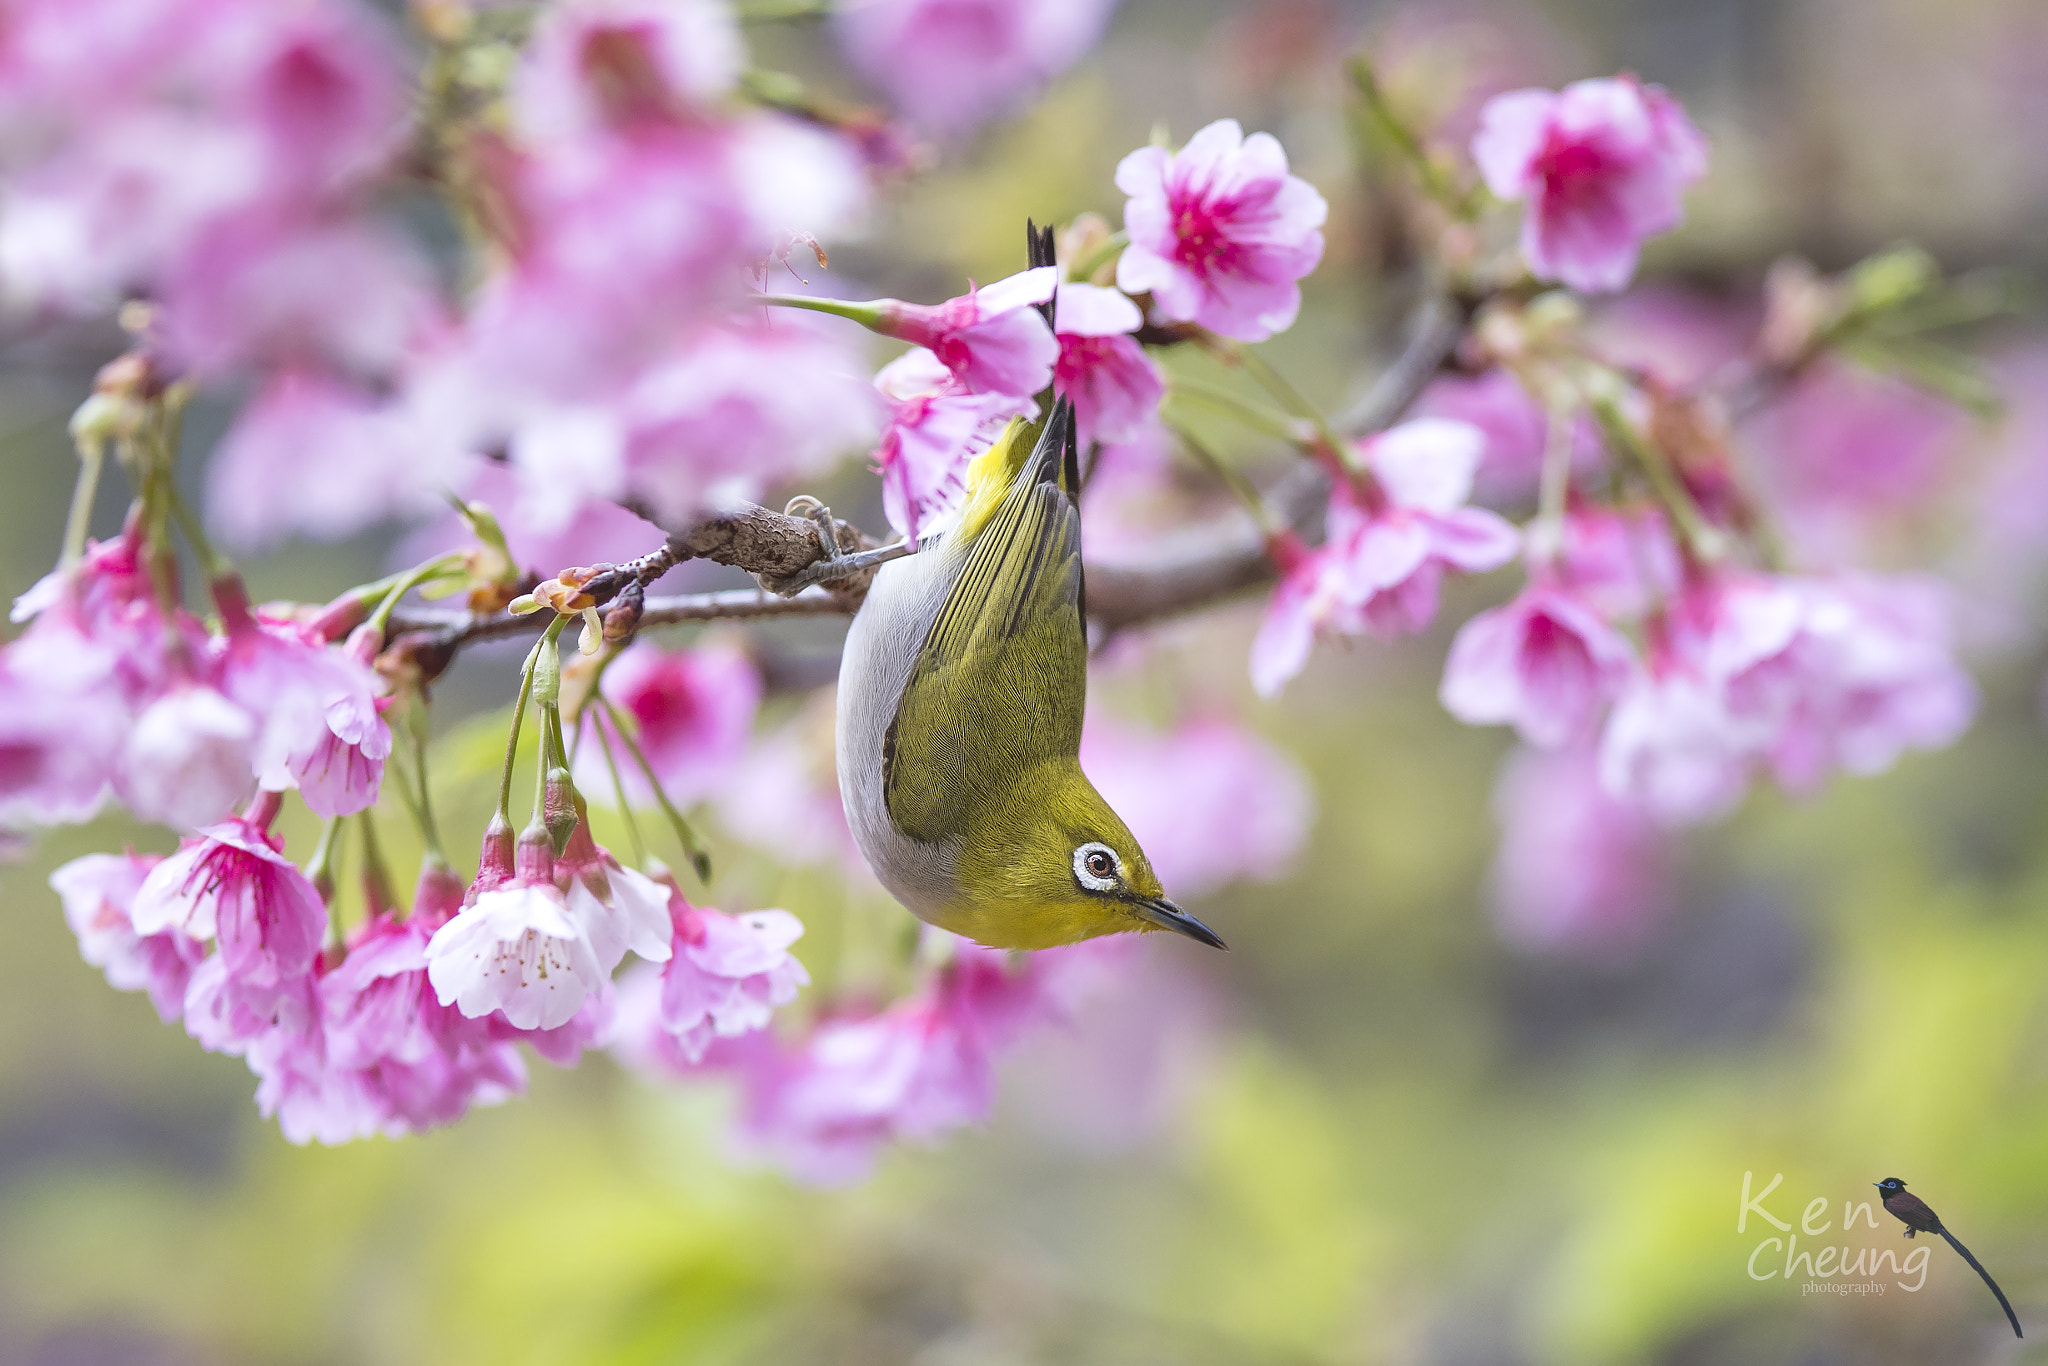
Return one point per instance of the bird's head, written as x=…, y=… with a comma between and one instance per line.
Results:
x=1054, y=864
x=1891, y=1185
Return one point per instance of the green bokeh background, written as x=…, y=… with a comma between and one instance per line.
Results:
x=1395, y=1140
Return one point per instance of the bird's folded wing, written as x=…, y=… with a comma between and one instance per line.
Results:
x=1001, y=681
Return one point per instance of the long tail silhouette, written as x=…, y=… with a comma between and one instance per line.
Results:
x=1978, y=1267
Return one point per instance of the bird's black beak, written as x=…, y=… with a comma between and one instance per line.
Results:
x=1168, y=916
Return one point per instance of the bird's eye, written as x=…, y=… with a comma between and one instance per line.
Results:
x=1095, y=867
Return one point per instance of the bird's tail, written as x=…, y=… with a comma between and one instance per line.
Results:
x=1978, y=1267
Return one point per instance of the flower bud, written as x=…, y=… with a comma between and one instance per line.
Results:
x=495, y=864
x=558, y=808
x=437, y=896
x=533, y=860
x=547, y=675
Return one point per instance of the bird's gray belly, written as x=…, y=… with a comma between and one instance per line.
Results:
x=881, y=650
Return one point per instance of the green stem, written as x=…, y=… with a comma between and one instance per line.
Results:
x=1275, y=383
x=376, y=877
x=504, y=810
x=319, y=869
x=1431, y=176
x=1702, y=540
x=1250, y=414
x=404, y=583
x=1108, y=251
x=698, y=858
x=611, y=762
x=868, y=315
x=92, y=458
x=212, y=563
x=1232, y=477
x=771, y=11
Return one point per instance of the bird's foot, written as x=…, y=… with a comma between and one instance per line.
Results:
x=836, y=562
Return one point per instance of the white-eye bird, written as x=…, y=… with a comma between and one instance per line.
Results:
x=960, y=700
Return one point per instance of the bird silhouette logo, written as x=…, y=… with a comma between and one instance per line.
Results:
x=1913, y=1212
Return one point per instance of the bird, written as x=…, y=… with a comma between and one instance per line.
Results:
x=1912, y=1211
x=961, y=691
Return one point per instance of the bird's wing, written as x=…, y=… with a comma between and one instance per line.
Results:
x=1001, y=680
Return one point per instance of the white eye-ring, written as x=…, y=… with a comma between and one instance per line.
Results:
x=1097, y=867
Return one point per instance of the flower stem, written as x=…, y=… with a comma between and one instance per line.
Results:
x=1276, y=384
x=1259, y=419
x=1435, y=183
x=92, y=458
x=547, y=640
x=611, y=762
x=1703, y=541
x=867, y=314
x=376, y=876
x=319, y=869
x=412, y=578
x=212, y=563
x=1232, y=477
x=699, y=860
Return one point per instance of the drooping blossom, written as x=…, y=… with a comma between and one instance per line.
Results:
x=1577, y=870
x=1545, y=664
x=1603, y=165
x=1220, y=232
x=692, y=709
x=1386, y=547
x=1115, y=386
x=233, y=885
x=1210, y=802
x=1802, y=676
x=191, y=755
x=993, y=340
x=1622, y=561
x=514, y=947
x=952, y=64
x=344, y=769
x=726, y=976
x=934, y=428
x=98, y=892
x=537, y=939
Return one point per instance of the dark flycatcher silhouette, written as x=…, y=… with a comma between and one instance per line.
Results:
x=1912, y=1211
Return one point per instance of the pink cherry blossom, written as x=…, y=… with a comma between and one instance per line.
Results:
x=191, y=755
x=934, y=428
x=1545, y=664
x=1603, y=165
x=1801, y=675
x=98, y=891
x=1577, y=870
x=621, y=910
x=1220, y=232
x=1210, y=802
x=952, y=64
x=233, y=885
x=517, y=949
x=693, y=710
x=423, y=1063
x=727, y=975
x=1115, y=386
x=993, y=340
x=1623, y=562
x=304, y=695
x=1386, y=548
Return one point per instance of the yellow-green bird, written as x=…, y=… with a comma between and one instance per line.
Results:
x=960, y=701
